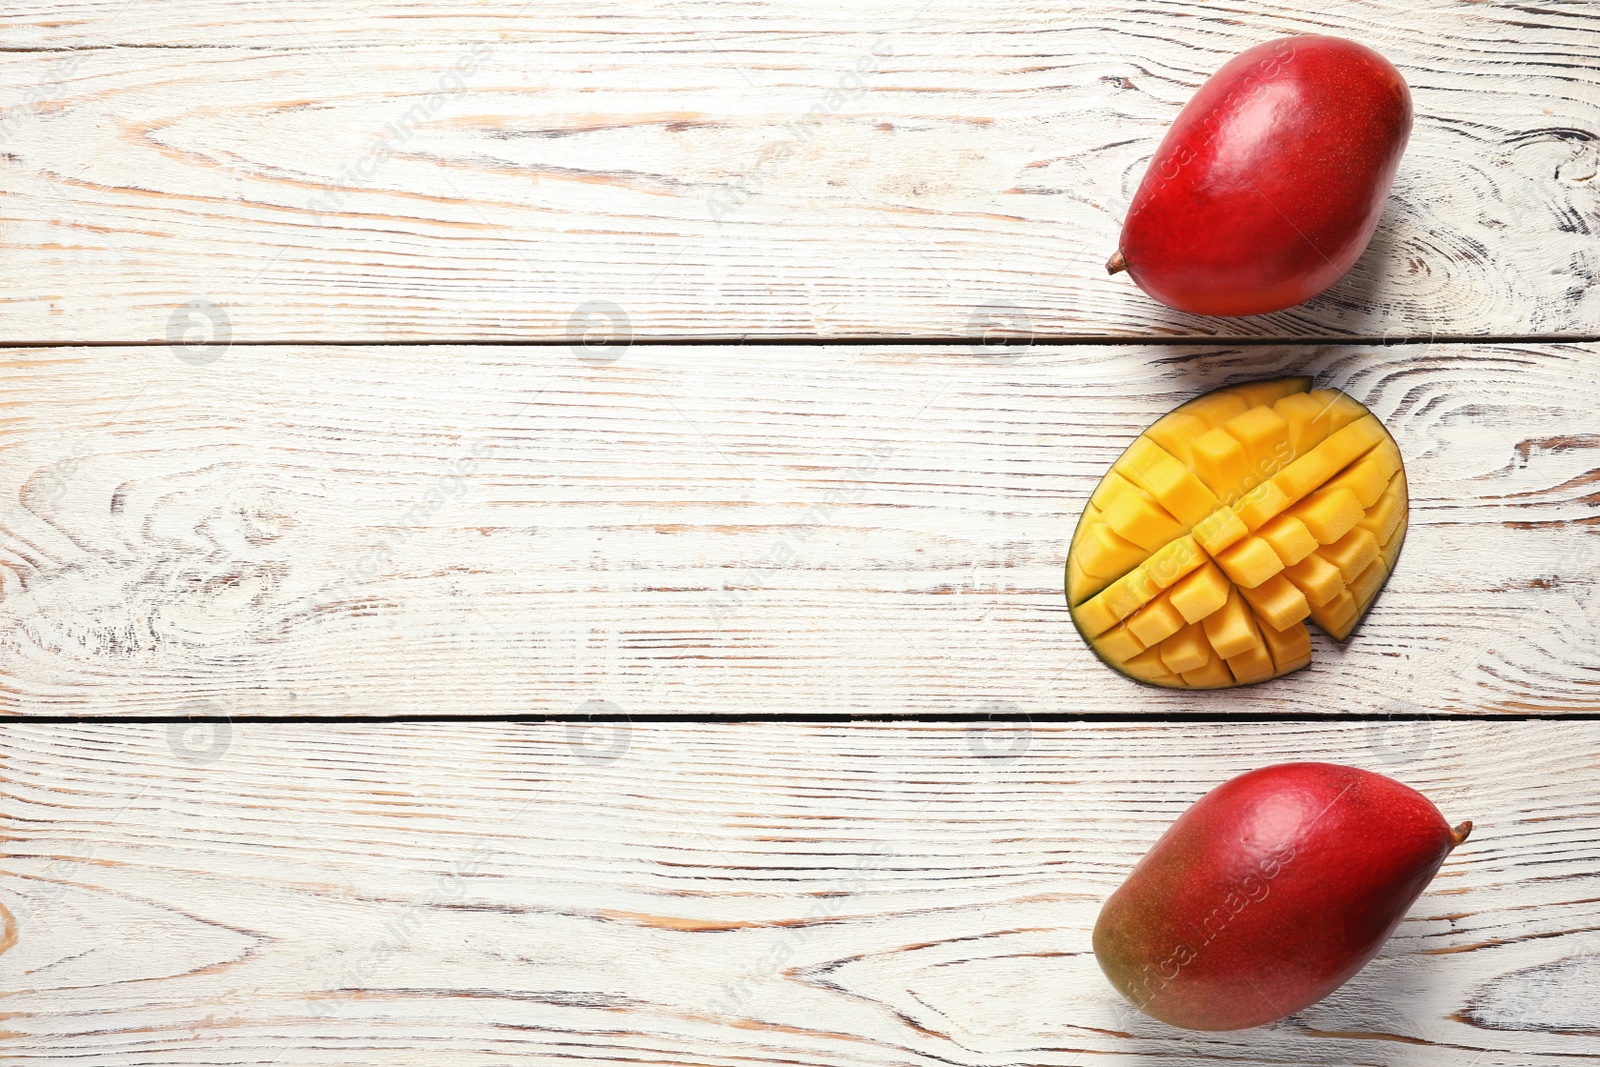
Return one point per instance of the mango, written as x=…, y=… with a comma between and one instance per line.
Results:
x=1270, y=182
x=1227, y=524
x=1269, y=893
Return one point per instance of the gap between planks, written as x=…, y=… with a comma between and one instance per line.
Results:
x=954, y=341
x=825, y=718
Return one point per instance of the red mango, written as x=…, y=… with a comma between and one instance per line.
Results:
x=1269, y=893
x=1268, y=186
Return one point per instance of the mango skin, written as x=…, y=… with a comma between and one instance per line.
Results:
x=1269, y=893
x=1271, y=181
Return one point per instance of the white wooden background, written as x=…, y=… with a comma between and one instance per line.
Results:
x=727, y=530
x=312, y=167
x=740, y=894
x=274, y=442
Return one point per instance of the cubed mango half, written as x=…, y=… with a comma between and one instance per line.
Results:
x=1227, y=525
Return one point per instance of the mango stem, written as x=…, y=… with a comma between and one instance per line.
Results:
x=1459, y=835
x=1116, y=264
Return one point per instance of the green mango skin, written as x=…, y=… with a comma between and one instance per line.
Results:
x=1269, y=893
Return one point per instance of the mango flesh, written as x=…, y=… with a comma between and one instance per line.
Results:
x=1269, y=893
x=1230, y=523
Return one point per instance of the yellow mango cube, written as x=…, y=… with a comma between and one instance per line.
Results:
x=1221, y=463
x=1119, y=644
x=1369, y=476
x=1368, y=582
x=1171, y=562
x=1261, y=504
x=1201, y=593
x=1352, y=553
x=1391, y=548
x=1264, y=434
x=1252, y=666
x=1156, y=621
x=1289, y=538
x=1250, y=562
x=1079, y=585
x=1147, y=667
x=1270, y=390
x=1329, y=514
x=1214, y=675
x=1217, y=407
x=1149, y=466
x=1384, y=516
x=1113, y=604
x=1138, y=519
x=1186, y=650
x=1104, y=555
x=1219, y=530
x=1291, y=648
x=1176, y=431
x=1232, y=630
x=1303, y=415
x=1338, y=409
x=1278, y=602
x=1112, y=486
x=1318, y=579
x=1338, y=616
x=1095, y=616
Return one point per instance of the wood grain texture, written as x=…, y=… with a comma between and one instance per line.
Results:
x=728, y=170
x=357, y=531
x=738, y=894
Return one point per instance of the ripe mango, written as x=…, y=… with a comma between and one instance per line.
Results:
x=1271, y=181
x=1247, y=511
x=1269, y=893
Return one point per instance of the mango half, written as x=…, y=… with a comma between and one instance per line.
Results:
x=1230, y=522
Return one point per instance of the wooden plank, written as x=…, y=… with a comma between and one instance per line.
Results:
x=707, y=530
x=733, y=170
x=737, y=894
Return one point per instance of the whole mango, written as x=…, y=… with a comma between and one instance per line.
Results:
x=1270, y=183
x=1269, y=893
